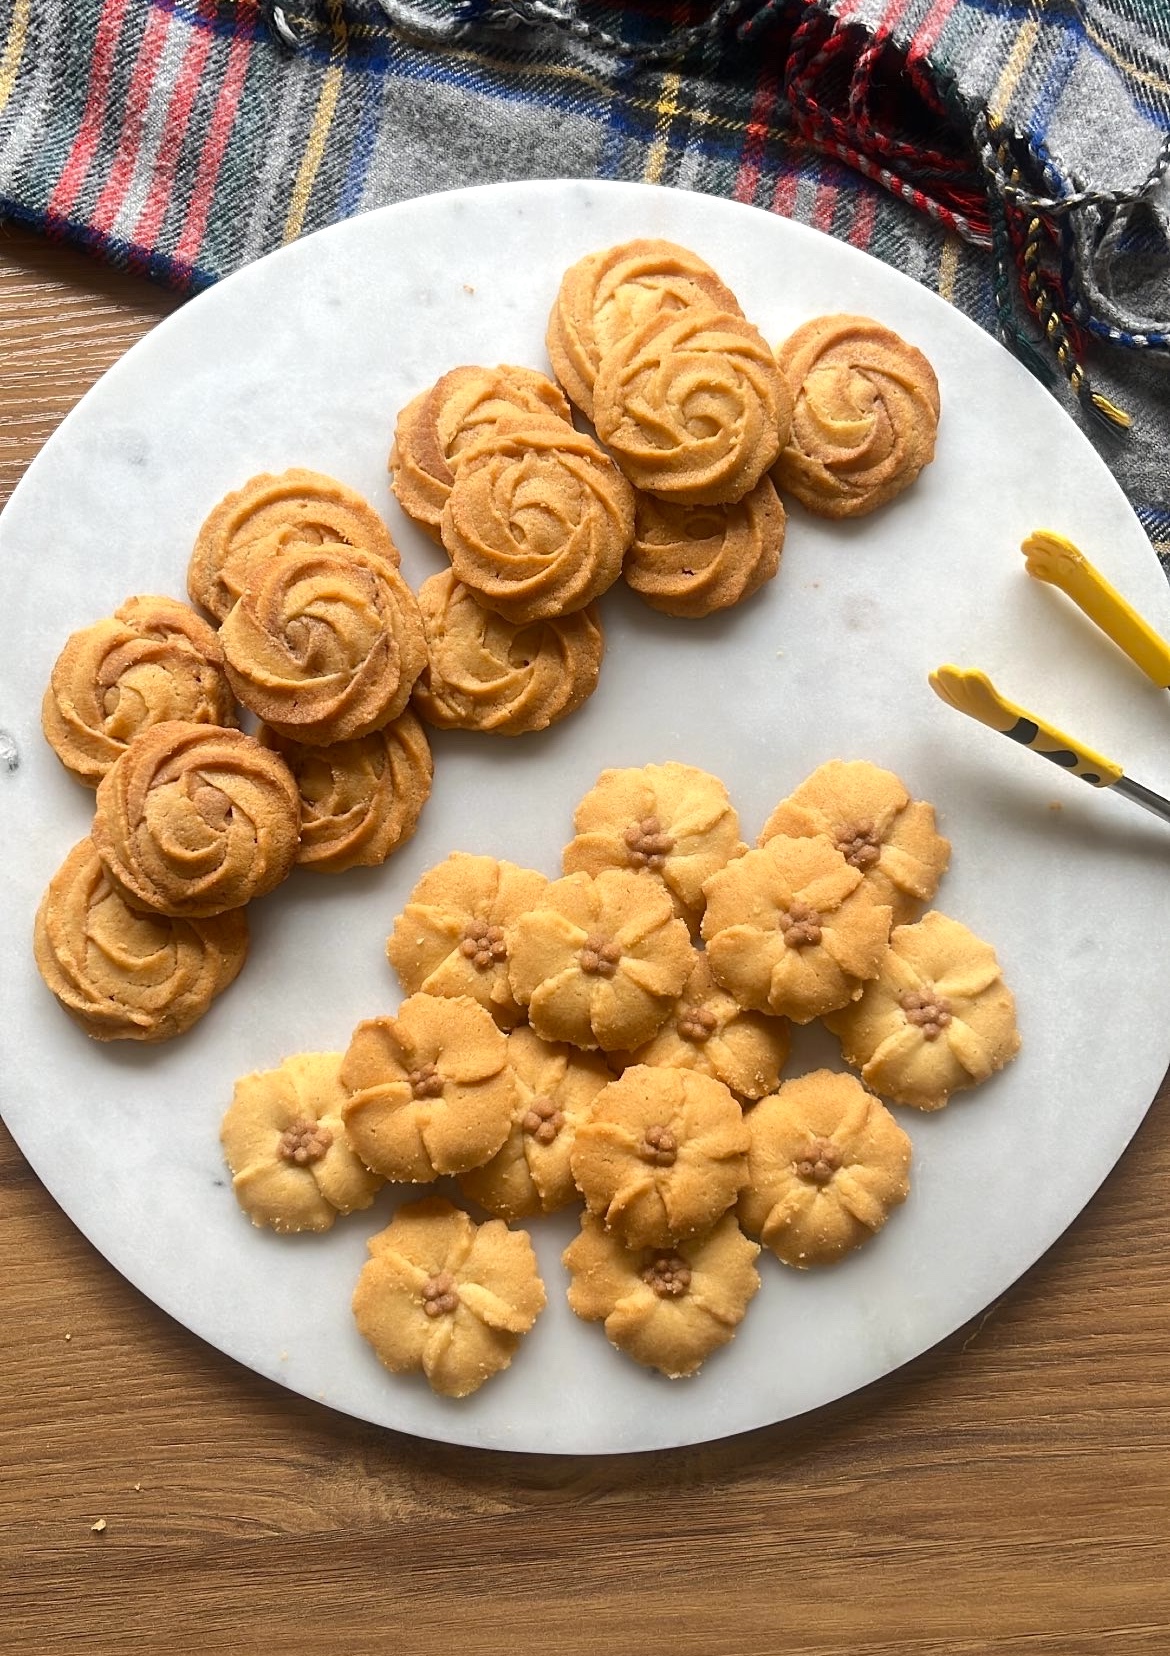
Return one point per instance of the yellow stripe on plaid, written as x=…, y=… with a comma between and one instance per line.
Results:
x=319, y=132
x=948, y=267
x=1017, y=62
x=13, y=50
x=667, y=108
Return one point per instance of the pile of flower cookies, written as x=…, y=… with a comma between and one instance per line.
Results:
x=618, y=1036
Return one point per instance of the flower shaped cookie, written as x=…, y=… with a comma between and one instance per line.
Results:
x=663, y=1155
x=325, y=644
x=608, y=294
x=708, y=1031
x=194, y=821
x=153, y=660
x=693, y=407
x=937, y=1018
x=435, y=428
x=693, y=560
x=865, y=416
x=538, y=520
x=598, y=962
x=531, y=1173
x=451, y=937
x=360, y=800
x=667, y=823
x=126, y=976
x=485, y=673
x=297, y=508
x=430, y=1090
x=870, y=817
x=791, y=930
x=667, y=1308
x=447, y=1296
x=284, y=1141
x=827, y=1164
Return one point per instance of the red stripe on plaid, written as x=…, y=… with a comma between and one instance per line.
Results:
x=178, y=115
x=218, y=133
x=822, y=213
x=865, y=212
x=784, y=199
x=747, y=177
x=97, y=95
x=137, y=98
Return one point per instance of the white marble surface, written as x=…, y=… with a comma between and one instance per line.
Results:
x=304, y=359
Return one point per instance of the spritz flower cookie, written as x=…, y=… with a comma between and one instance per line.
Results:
x=153, y=660
x=667, y=1308
x=937, y=1018
x=663, y=1155
x=532, y=1173
x=485, y=673
x=124, y=975
x=869, y=815
x=827, y=1165
x=791, y=930
x=599, y=962
x=451, y=937
x=608, y=294
x=283, y=1137
x=194, y=821
x=692, y=561
x=430, y=1090
x=865, y=415
x=447, y=1297
x=360, y=800
x=693, y=407
x=296, y=508
x=672, y=824
x=436, y=426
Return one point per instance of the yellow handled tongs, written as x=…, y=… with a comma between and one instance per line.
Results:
x=1051, y=558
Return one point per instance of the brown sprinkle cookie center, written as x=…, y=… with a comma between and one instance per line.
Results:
x=482, y=944
x=800, y=924
x=439, y=1295
x=668, y=1274
x=646, y=843
x=426, y=1082
x=599, y=955
x=820, y=1162
x=542, y=1120
x=304, y=1142
x=697, y=1023
x=659, y=1147
x=928, y=1009
x=859, y=843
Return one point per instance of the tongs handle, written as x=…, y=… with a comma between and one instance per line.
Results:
x=1053, y=559
x=973, y=693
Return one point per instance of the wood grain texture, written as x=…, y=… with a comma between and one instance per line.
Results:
x=1007, y=1493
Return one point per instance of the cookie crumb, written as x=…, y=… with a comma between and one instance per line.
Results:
x=68, y=1336
x=99, y=1528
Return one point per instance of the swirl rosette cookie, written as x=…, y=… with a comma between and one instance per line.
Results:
x=871, y=819
x=284, y=1141
x=325, y=645
x=360, y=800
x=937, y=1018
x=430, y=1089
x=599, y=962
x=450, y=939
x=195, y=821
x=436, y=426
x=446, y=1296
x=532, y=1172
x=296, y=508
x=708, y=1031
x=538, y=520
x=791, y=929
x=667, y=1308
x=693, y=407
x=865, y=415
x=485, y=673
x=670, y=824
x=608, y=294
x=691, y=561
x=123, y=975
x=663, y=1155
x=826, y=1166
x=151, y=661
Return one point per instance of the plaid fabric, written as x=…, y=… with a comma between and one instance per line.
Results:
x=1004, y=155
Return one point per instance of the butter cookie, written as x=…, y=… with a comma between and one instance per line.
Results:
x=691, y=561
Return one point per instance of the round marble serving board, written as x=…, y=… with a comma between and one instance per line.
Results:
x=304, y=359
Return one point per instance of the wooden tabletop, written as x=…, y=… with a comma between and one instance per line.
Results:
x=1007, y=1492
